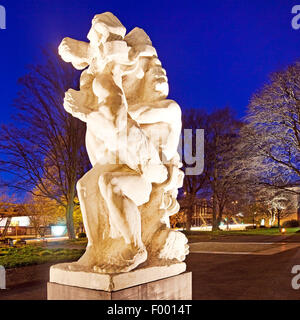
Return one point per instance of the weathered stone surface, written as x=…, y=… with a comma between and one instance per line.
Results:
x=2, y=278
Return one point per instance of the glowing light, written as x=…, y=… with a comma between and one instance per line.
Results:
x=262, y=222
x=16, y=221
x=238, y=226
x=58, y=231
x=283, y=230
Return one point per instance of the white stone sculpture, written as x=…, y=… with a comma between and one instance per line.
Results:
x=132, y=137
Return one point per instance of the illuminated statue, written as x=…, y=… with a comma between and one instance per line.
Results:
x=132, y=137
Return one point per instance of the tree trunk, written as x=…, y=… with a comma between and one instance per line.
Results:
x=70, y=210
x=69, y=219
x=273, y=217
x=278, y=218
x=189, y=213
x=215, y=220
x=220, y=215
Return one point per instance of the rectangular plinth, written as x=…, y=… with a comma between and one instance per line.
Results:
x=61, y=274
x=178, y=287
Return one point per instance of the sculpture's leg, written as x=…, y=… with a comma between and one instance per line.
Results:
x=88, y=194
x=124, y=218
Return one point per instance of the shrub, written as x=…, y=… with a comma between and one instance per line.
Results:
x=81, y=235
x=291, y=224
x=29, y=255
x=63, y=252
x=45, y=253
x=20, y=241
x=7, y=240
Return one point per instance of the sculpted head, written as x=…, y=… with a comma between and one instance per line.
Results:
x=105, y=27
x=148, y=82
x=143, y=78
x=156, y=85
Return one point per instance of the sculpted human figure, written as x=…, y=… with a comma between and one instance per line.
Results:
x=132, y=137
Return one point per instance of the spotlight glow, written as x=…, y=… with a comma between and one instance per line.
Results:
x=283, y=230
x=58, y=231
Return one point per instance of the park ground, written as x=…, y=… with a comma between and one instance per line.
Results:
x=249, y=265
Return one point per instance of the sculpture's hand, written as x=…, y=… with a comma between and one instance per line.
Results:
x=79, y=103
x=74, y=51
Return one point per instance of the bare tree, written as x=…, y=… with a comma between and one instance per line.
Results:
x=271, y=138
x=219, y=181
x=43, y=149
x=193, y=184
x=279, y=204
x=222, y=140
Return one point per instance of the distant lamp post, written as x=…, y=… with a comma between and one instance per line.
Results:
x=16, y=223
x=283, y=230
x=227, y=223
x=234, y=203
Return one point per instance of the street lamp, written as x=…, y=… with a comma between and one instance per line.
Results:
x=283, y=230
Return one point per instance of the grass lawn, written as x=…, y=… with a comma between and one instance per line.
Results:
x=207, y=235
x=255, y=232
x=30, y=255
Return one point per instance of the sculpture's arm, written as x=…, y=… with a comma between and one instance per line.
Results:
x=81, y=103
x=166, y=110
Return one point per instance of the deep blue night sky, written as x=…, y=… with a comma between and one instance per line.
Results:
x=216, y=53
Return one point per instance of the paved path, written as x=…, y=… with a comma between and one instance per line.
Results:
x=225, y=276
x=245, y=238
x=248, y=248
x=30, y=291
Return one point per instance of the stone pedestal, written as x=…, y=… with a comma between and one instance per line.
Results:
x=174, y=288
x=2, y=278
x=152, y=283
